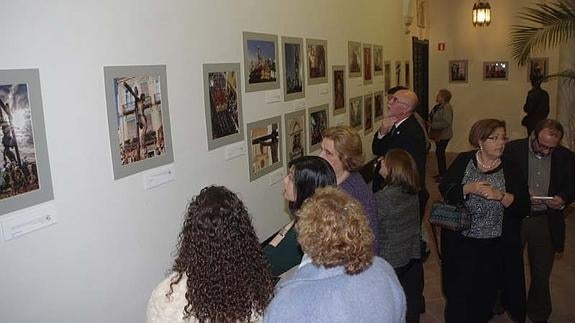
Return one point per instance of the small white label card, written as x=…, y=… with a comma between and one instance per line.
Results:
x=299, y=104
x=159, y=176
x=273, y=96
x=276, y=176
x=28, y=220
x=235, y=150
x=323, y=89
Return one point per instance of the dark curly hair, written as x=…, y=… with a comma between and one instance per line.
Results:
x=228, y=276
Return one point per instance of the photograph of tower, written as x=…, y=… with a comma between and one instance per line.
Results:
x=295, y=134
x=367, y=64
x=355, y=111
x=316, y=61
x=261, y=62
x=338, y=89
x=378, y=106
x=318, y=123
x=354, y=58
x=293, y=68
x=377, y=60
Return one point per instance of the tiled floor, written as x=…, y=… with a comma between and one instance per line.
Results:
x=562, y=277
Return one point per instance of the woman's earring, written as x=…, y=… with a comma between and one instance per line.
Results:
x=481, y=148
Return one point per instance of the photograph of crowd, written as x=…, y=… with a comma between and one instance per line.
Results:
x=355, y=107
x=338, y=89
x=367, y=64
x=139, y=115
x=223, y=99
x=261, y=62
x=458, y=71
x=495, y=70
x=318, y=123
x=378, y=105
x=264, y=146
x=354, y=58
x=377, y=60
x=293, y=68
x=18, y=170
x=368, y=113
x=295, y=134
x=316, y=61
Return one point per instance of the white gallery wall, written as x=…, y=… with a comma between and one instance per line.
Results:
x=112, y=241
x=450, y=23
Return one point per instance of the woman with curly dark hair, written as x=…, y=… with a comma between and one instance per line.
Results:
x=220, y=274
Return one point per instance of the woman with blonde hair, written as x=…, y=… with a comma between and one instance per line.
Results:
x=341, y=146
x=339, y=279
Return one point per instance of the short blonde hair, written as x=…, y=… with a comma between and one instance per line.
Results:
x=348, y=145
x=334, y=231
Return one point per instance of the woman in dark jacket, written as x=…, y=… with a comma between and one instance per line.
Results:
x=473, y=259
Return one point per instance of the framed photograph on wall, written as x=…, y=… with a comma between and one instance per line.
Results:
x=397, y=73
x=223, y=104
x=355, y=112
x=354, y=58
x=387, y=75
x=293, y=68
x=458, y=71
x=407, y=75
x=338, y=89
x=295, y=134
x=368, y=113
x=367, y=64
x=378, y=105
x=138, y=118
x=264, y=143
x=318, y=118
x=377, y=60
x=316, y=61
x=261, y=62
x=25, y=173
x=494, y=71
x=537, y=67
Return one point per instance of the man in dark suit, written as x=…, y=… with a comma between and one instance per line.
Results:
x=549, y=169
x=400, y=129
x=536, y=105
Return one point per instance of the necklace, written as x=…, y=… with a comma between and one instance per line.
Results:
x=486, y=165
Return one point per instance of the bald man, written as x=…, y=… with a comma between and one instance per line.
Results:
x=400, y=129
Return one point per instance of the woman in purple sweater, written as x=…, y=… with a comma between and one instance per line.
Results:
x=341, y=146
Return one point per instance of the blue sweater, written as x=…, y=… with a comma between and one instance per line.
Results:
x=319, y=294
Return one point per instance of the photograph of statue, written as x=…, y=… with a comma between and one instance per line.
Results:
x=295, y=134
x=139, y=114
x=354, y=58
x=378, y=106
x=264, y=146
x=318, y=123
x=293, y=68
x=18, y=168
x=367, y=78
x=377, y=60
x=355, y=107
x=537, y=68
x=387, y=75
x=368, y=113
x=316, y=61
x=338, y=89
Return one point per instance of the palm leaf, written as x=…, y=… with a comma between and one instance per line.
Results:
x=546, y=26
x=567, y=75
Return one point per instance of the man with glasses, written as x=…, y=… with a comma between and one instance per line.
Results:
x=549, y=169
x=400, y=129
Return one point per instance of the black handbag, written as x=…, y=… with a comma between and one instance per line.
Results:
x=449, y=216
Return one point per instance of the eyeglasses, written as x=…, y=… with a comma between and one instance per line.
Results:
x=495, y=138
x=394, y=99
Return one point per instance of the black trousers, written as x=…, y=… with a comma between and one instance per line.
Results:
x=411, y=279
x=440, y=147
x=470, y=270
